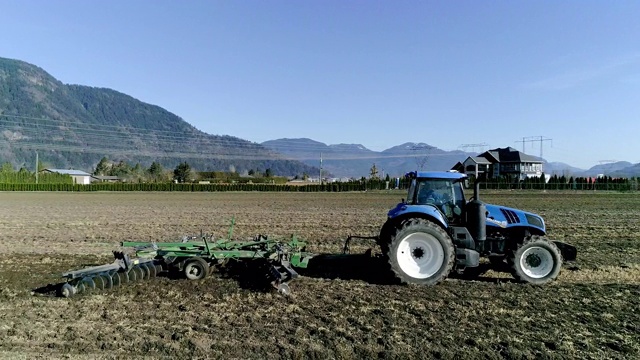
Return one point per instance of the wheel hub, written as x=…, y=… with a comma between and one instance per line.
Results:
x=537, y=262
x=417, y=253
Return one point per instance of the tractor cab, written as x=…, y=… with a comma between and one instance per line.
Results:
x=442, y=190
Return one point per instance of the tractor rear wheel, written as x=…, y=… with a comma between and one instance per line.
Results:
x=536, y=261
x=196, y=268
x=421, y=252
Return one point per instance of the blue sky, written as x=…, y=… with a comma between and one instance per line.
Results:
x=377, y=73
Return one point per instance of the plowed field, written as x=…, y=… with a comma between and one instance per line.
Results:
x=590, y=312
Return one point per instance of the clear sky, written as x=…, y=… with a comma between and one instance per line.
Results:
x=377, y=73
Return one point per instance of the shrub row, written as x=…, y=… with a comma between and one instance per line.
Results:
x=334, y=187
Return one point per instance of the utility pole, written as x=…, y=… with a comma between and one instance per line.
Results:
x=320, y=168
x=37, y=166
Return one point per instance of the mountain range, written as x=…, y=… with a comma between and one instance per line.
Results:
x=74, y=126
x=355, y=160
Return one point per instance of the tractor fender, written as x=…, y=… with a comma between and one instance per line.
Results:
x=403, y=212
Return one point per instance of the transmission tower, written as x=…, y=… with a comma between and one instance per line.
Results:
x=540, y=139
x=422, y=162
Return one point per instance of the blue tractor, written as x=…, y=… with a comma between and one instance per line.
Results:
x=436, y=231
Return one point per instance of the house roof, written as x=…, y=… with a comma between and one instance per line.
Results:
x=479, y=160
x=106, y=177
x=509, y=154
x=69, y=172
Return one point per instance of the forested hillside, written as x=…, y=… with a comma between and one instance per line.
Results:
x=74, y=126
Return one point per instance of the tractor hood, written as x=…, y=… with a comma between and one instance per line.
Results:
x=497, y=216
x=504, y=217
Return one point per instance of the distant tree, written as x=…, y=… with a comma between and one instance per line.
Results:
x=155, y=171
x=102, y=168
x=305, y=176
x=181, y=172
x=121, y=169
x=7, y=168
x=251, y=172
x=268, y=173
x=373, y=172
x=387, y=178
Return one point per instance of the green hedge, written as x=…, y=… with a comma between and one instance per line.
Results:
x=334, y=187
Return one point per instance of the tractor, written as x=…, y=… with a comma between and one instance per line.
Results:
x=436, y=231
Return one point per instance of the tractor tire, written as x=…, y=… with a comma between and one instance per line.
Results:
x=421, y=252
x=536, y=261
x=196, y=268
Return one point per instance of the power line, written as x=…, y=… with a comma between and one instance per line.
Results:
x=480, y=146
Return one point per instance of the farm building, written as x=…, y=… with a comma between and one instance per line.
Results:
x=78, y=176
x=501, y=162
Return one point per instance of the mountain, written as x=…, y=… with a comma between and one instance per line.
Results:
x=627, y=172
x=355, y=160
x=75, y=126
x=560, y=169
x=609, y=168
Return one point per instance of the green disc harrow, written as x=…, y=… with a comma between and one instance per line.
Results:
x=195, y=258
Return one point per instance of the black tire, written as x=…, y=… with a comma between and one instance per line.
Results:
x=411, y=242
x=196, y=269
x=536, y=261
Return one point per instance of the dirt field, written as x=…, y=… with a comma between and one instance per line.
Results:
x=591, y=312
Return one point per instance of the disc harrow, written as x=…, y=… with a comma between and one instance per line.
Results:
x=195, y=257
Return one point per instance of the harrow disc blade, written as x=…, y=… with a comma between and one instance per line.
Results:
x=116, y=279
x=145, y=271
x=108, y=281
x=132, y=275
x=80, y=288
x=89, y=284
x=139, y=273
x=152, y=270
x=100, y=282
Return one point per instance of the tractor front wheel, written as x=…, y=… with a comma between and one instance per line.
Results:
x=421, y=252
x=536, y=261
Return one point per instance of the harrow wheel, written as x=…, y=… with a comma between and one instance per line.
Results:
x=196, y=268
x=67, y=290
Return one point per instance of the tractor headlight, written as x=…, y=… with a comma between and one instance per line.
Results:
x=535, y=220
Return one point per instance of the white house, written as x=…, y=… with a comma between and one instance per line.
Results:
x=78, y=176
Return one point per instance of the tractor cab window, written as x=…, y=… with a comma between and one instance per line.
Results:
x=444, y=194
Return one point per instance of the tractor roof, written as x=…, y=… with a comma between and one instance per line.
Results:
x=436, y=175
